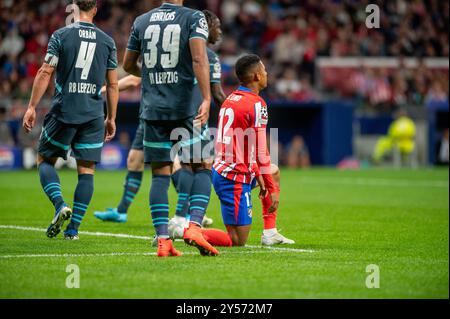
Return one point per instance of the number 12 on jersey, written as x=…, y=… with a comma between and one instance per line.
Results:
x=222, y=136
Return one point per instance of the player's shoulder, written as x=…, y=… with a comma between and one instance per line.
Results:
x=250, y=97
x=62, y=31
x=144, y=18
x=190, y=10
x=108, y=39
x=261, y=99
x=193, y=14
x=242, y=99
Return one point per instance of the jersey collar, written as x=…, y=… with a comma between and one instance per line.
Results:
x=86, y=23
x=170, y=4
x=245, y=89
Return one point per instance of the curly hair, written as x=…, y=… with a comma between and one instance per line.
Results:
x=210, y=16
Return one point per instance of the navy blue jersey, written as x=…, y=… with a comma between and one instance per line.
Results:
x=215, y=74
x=81, y=54
x=162, y=38
x=215, y=69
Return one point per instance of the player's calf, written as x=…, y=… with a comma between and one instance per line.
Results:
x=82, y=198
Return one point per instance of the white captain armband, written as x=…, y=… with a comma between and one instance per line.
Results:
x=51, y=59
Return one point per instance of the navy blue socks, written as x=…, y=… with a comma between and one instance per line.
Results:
x=51, y=184
x=159, y=204
x=200, y=194
x=131, y=187
x=82, y=198
x=183, y=180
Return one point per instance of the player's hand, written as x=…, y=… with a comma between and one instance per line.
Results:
x=103, y=91
x=262, y=188
x=203, y=112
x=275, y=201
x=110, y=130
x=263, y=192
x=29, y=119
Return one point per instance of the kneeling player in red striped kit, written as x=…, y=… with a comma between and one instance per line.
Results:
x=242, y=160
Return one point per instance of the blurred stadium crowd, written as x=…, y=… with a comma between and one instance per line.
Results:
x=289, y=34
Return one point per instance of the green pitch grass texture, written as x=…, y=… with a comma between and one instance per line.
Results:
x=347, y=220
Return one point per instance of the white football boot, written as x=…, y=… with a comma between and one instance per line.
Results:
x=275, y=239
x=207, y=221
x=176, y=227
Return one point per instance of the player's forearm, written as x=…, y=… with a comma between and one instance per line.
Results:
x=263, y=160
x=270, y=184
x=262, y=153
x=40, y=85
x=130, y=63
x=126, y=83
x=112, y=99
x=129, y=82
x=201, y=71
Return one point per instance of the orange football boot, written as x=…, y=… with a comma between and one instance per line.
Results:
x=166, y=249
x=193, y=236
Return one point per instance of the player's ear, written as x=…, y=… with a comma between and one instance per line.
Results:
x=256, y=76
x=94, y=12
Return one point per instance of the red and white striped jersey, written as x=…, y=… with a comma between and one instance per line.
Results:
x=241, y=147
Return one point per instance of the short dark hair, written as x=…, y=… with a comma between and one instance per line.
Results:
x=210, y=16
x=244, y=65
x=85, y=5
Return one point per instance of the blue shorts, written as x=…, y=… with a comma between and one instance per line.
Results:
x=235, y=200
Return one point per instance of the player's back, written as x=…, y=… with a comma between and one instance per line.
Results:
x=162, y=37
x=82, y=54
x=240, y=114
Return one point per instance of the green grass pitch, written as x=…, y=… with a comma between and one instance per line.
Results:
x=396, y=219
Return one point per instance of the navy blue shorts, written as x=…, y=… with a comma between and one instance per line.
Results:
x=235, y=200
x=85, y=140
x=163, y=140
x=138, y=142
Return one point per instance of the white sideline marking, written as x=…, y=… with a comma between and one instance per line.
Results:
x=114, y=254
x=280, y=249
x=81, y=232
x=75, y=255
x=375, y=182
x=295, y=250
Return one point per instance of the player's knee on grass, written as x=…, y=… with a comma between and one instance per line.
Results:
x=233, y=236
x=135, y=161
x=238, y=234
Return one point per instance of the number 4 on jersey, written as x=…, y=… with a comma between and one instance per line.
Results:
x=85, y=58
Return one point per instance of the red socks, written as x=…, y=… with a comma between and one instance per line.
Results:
x=270, y=220
x=217, y=237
